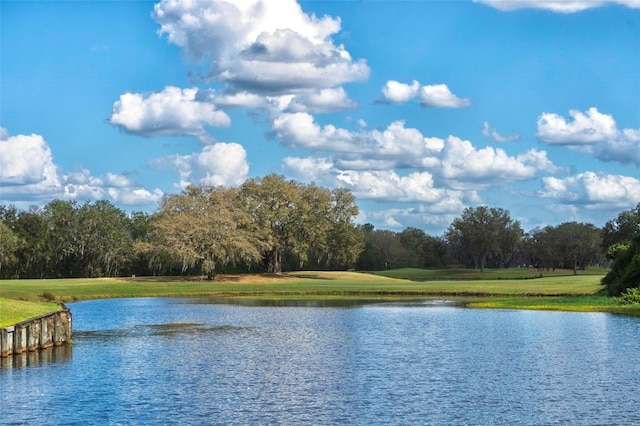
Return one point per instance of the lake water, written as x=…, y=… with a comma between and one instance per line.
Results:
x=200, y=361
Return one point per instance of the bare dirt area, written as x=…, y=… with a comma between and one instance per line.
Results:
x=250, y=278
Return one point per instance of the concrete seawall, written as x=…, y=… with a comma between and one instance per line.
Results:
x=41, y=332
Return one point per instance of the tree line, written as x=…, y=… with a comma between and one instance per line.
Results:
x=271, y=224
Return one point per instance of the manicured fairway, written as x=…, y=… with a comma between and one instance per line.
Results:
x=13, y=311
x=296, y=283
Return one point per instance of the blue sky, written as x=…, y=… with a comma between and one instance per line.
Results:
x=420, y=108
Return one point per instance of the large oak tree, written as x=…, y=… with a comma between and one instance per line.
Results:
x=302, y=220
x=206, y=226
x=481, y=233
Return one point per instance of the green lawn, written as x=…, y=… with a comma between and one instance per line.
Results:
x=295, y=283
x=496, y=289
x=13, y=311
x=417, y=274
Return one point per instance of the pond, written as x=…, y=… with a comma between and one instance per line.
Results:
x=207, y=361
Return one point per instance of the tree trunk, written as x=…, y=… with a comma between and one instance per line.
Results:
x=273, y=261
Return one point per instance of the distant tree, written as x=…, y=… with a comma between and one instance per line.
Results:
x=569, y=245
x=66, y=236
x=372, y=257
x=413, y=240
x=345, y=240
x=625, y=270
x=540, y=250
x=382, y=250
x=578, y=244
x=140, y=226
x=88, y=240
x=206, y=226
x=483, y=232
x=423, y=250
x=435, y=252
x=623, y=228
x=301, y=220
x=623, y=237
x=37, y=250
x=9, y=243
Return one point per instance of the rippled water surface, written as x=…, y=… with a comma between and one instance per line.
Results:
x=199, y=361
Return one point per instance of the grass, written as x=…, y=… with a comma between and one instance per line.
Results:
x=513, y=289
x=417, y=274
x=295, y=283
x=594, y=303
x=13, y=311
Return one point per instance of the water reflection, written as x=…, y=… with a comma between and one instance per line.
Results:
x=145, y=330
x=53, y=355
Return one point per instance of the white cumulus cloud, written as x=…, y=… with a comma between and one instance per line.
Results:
x=320, y=101
x=439, y=95
x=583, y=128
x=172, y=112
x=558, y=6
x=258, y=46
x=455, y=161
x=594, y=190
x=26, y=160
x=380, y=185
x=397, y=92
x=466, y=166
x=221, y=163
x=430, y=217
x=29, y=174
x=436, y=95
x=592, y=132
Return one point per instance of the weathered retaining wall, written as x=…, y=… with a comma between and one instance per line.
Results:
x=41, y=332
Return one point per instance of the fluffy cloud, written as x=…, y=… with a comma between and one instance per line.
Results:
x=172, y=112
x=218, y=164
x=437, y=95
x=261, y=47
x=491, y=132
x=592, y=132
x=325, y=100
x=455, y=161
x=81, y=185
x=28, y=172
x=595, y=190
x=431, y=218
x=26, y=160
x=397, y=92
x=379, y=185
x=555, y=5
x=396, y=143
x=464, y=165
x=589, y=128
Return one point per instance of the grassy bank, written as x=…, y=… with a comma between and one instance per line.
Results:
x=13, y=311
x=556, y=291
x=417, y=274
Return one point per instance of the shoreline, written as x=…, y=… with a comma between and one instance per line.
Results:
x=564, y=293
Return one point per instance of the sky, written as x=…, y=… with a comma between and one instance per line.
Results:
x=420, y=108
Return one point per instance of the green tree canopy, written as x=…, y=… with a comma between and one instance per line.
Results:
x=206, y=226
x=9, y=243
x=623, y=235
x=483, y=232
x=301, y=220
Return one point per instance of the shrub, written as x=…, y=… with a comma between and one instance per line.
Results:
x=630, y=296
